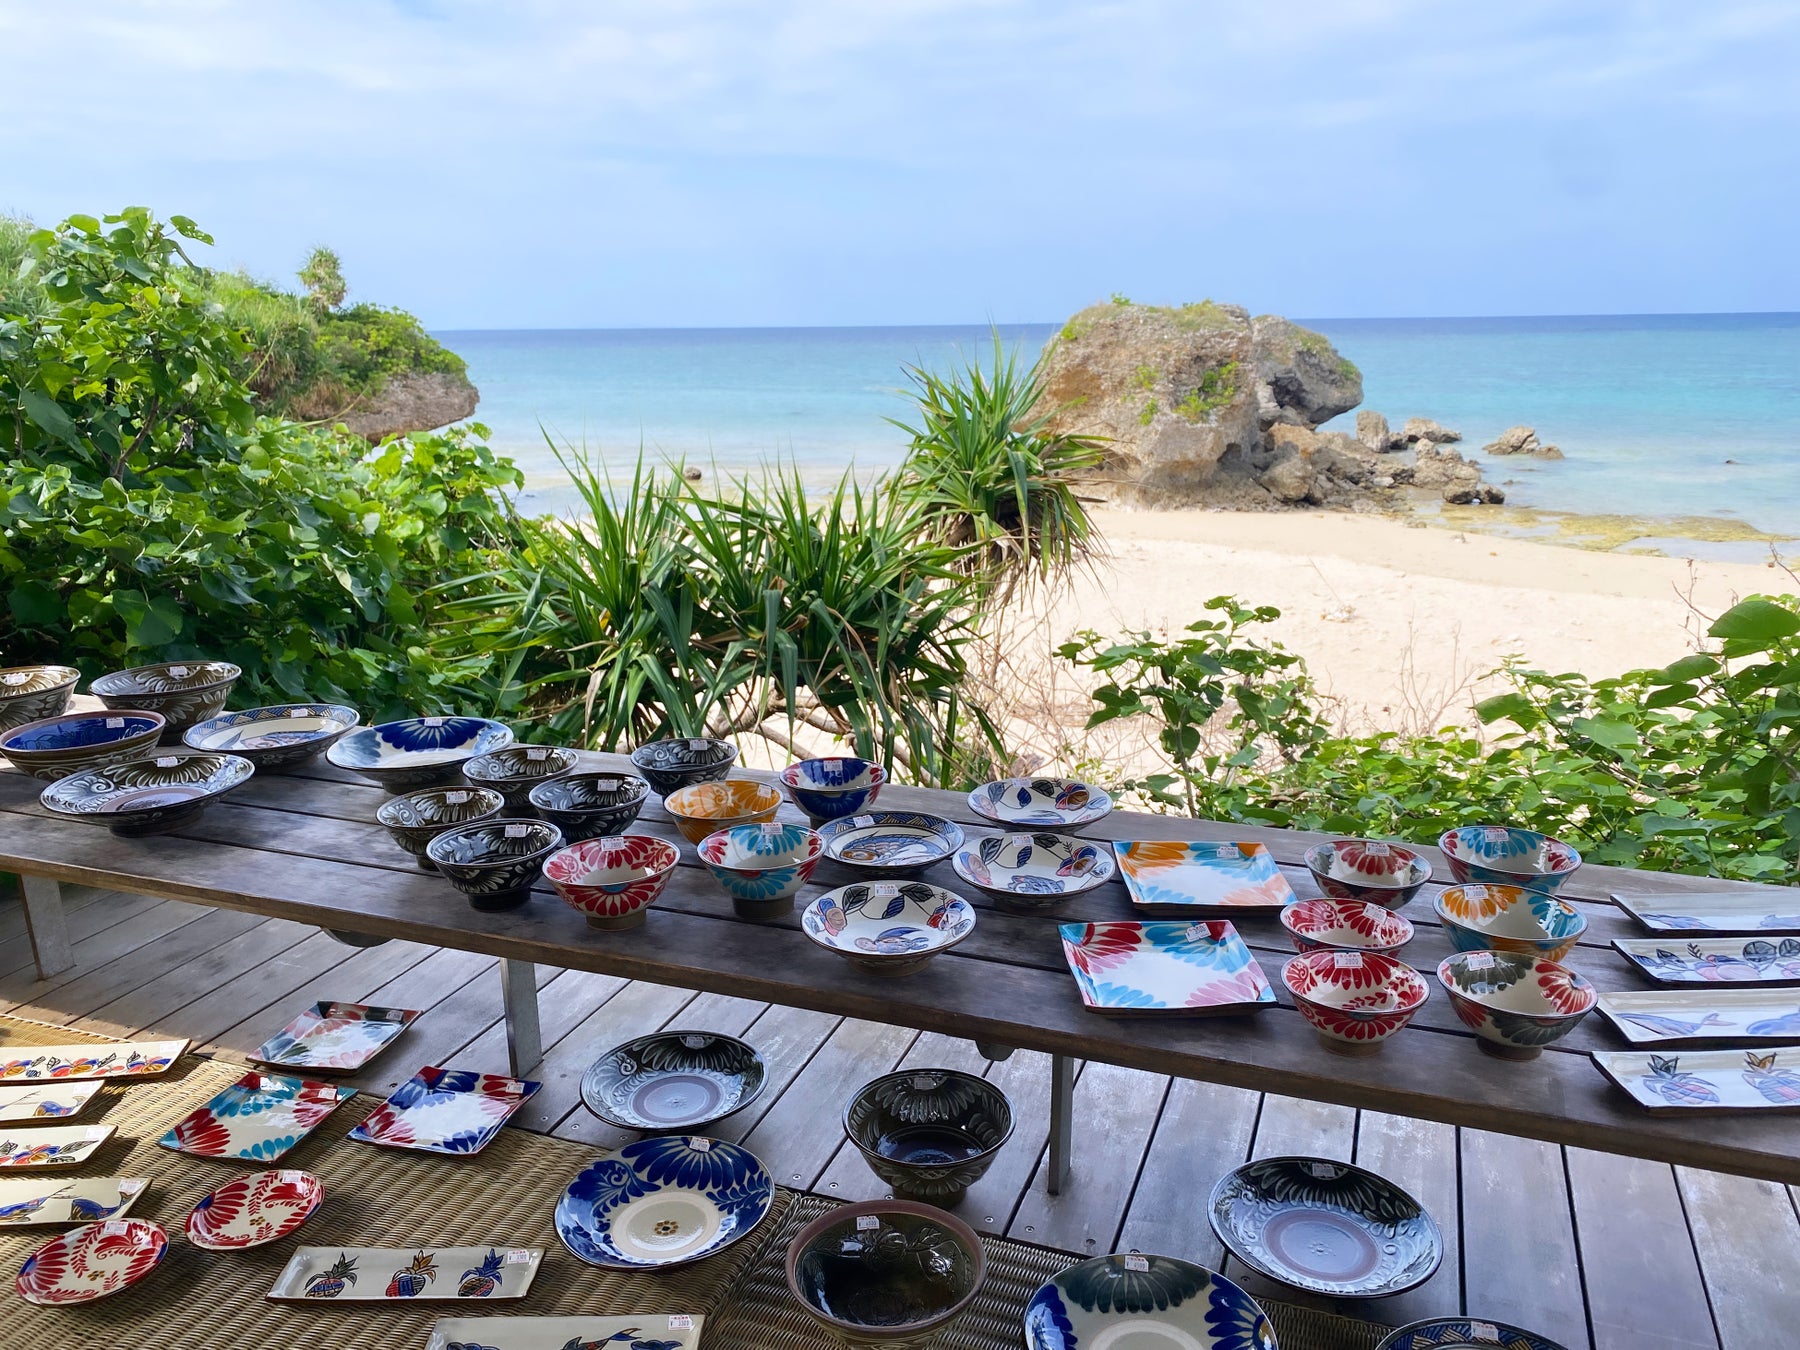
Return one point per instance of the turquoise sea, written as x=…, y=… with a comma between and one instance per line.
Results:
x=1649, y=409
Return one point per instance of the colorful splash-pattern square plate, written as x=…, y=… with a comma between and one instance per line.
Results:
x=53, y=1146
x=123, y=1059
x=1673, y=1015
x=45, y=1101
x=335, y=1037
x=494, y=1272
x=1194, y=970
x=1682, y=1082
x=30, y=1201
x=258, y=1118
x=445, y=1111
x=1723, y=960
x=640, y=1331
x=1174, y=877
x=1765, y=911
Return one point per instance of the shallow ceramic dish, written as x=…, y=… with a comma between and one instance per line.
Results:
x=278, y=737
x=254, y=1211
x=639, y=1331
x=1173, y=878
x=1354, y=1000
x=51, y=1145
x=1674, y=1016
x=1345, y=926
x=613, y=880
x=1509, y=919
x=445, y=1111
x=39, y=1201
x=1508, y=856
x=1325, y=1227
x=1723, y=1081
x=888, y=927
x=45, y=1101
x=32, y=693
x=590, y=805
x=700, y=809
x=1130, y=969
x=333, y=1037
x=417, y=752
x=492, y=1271
x=673, y=1080
x=663, y=1202
x=891, y=843
x=1462, y=1333
x=91, y=1262
x=762, y=867
x=1746, y=911
x=929, y=1133
x=886, y=1273
x=514, y=771
x=148, y=796
x=1707, y=961
x=1144, y=1303
x=674, y=764
x=59, y=746
x=1367, y=869
x=184, y=692
x=123, y=1059
x=495, y=862
x=259, y=1118
x=414, y=819
x=1515, y=1005
x=1031, y=873
x=829, y=789
x=1040, y=803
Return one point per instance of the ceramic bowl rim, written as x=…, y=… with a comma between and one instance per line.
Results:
x=832, y=830
x=381, y=812
x=563, y=780
x=937, y=950
x=1558, y=873
x=376, y=728
x=471, y=770
x=815, y=847
x=725, y=822
x=1086, y=816
x=982, y=1084
x=95, y=689
x=338, y=712
x=1099, y=877
x=714, y=763
x=512, y=860
x=1394, y=970
x=73, y=677
x=1413, y=878
x=1213, y=1277
x=791, y=774
x=86, y=715
x=1381, y=949
x=1479, y=928
x=1576, y=981
x=227, y=762
x=672, y=859
x=1392, y=1339
x=628, y=1047
x=965, y=1238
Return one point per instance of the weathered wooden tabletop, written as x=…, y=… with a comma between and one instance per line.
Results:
x=306, y=847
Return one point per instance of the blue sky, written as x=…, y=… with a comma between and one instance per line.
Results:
x=550, y=163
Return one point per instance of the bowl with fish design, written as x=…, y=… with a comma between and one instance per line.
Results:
x=885, y=1274
x=890, y=843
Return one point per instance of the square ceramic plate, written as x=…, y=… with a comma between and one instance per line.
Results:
x=641, y=1331
x=30, y=1201
x=258, y=1118
x=1192, y=970
x=1714, y=961
x=1173, y=878
x=445, y=1111
x=1671, y=1016
x=1768, y=911
x=1682, y=1082
x=122, y=1059
x=334, y=1037
x=494, y=1272
x=54, y=1146
x=46, y=1101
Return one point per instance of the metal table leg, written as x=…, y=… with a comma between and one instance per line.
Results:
x=1062, y=1121
x=48, y=928
x=518, y=992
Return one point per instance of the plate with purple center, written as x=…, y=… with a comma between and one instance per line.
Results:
x=1041, y=803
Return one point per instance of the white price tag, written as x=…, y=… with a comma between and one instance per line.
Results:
x=117, y=1228
x=537, y=752
x=433, y=721
x=1496, y=834
x=519, y=1256
x=97, y=1132
x=131, y=1187
x=518, y=830
x=1484, y=1331
x=1199, y=932
x=1323, y=1171
x=455, y=798
x=697, y=744
x=925, y=1082
x=1480, y=961
x=700, y=1145
x=178, y=672
x=1137, y=1263
x=293, y=1178
x=834, y=766
x=1227, y=851
x=299, y=712
x=867, y=1223
x=115, y=722
x=1346, y=960
x=861, y=822
x=768, y=829
x=607, y=784
x=680, y=1322
x=1375, y=849
x=14, y=677
x=696, y=1041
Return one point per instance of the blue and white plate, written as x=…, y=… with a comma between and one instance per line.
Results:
x=1042, y=803
x=890, y=843
x=1157, y=1302
x=888, y=927
x=663, y=1202
x=276, y=737
x=1464, y=1333
x=1033, y=871
x=417, y=751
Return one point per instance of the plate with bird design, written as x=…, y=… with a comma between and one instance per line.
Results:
x=640, y=1331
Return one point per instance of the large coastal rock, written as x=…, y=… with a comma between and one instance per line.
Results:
x=1419, y=429
x=1301, y=379
x=1372, y=431
x=1521, y=440
x=415, y=401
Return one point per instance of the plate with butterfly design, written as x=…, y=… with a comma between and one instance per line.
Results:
x=53, y=1146
x=1684, y=1082
x=126, y=1059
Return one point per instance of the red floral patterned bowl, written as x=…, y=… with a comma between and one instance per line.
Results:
x=1368, y=869
x=1516, y=1004
x=1345, y=926
x=614, y=878
x=1354, y=1000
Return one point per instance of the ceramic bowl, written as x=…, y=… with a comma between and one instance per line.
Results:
x=1354, y=1000
x=663, y=1202
x=184, y=692
x=1460, y=1333
x=514, y=771
x=671, y=765
x=417, y=818
x=1508, y=856
x=829, y=789
x=891, y=843
x=1033, y=873
x=1367, y=869
x=1515, y=1004
x=417, y=752
x=929, y=1133
x=1509, y=919
x=495, y=862
x=280, y=736
x=1157, y=1302
x=700, y=809
x=55, y=747
x=589, y=805
x=673, y=1080
x=1345, y=926
x=892, y=1283
x=1040, y=803
x=148, y=795
x=763, y=866
x=888, y=927
x=32, y=693
x=613, y=879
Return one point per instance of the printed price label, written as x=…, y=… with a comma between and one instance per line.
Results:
x=1496, y=834
x=178, y=672
x=433, y=721
x=117, y=1228
x=696, y=1041
x=926, y=1082
x=517, y=831
x=299, y=712
x=834, y=766
x=1480, y=961
x=680, y=1322
x=1137, y=1263
x=867, y=1223
x=1484, y=1331
x=697, y=744
x=167, y=761
x=97, y=1132
x=519, y=1256
x=1199, y=932
x=1227, y=851
x=769, y=829
x=131, y=1187
x=537, y=752
x=293, y=1178
x=862, y=822
x=455, y=798
x=115, y=722
x=1376, y=849
x=700, y=1145
x=1346, y=960
x=1323, y=1171
x=607, y=784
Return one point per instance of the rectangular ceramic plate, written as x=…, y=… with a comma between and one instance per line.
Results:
x=1166, y=969
x=55, y=1146
x=1685, y=1082
x=492, y=1273
x=1177, y=878
x=123, y=1059
x=40, y=1102
x=258, y=1118
x=445, y=1111
x=1710, y=961
x=638, y=1332
x=1671, y=1016
x=33, y=1201
x=335, y=1037
x=1716, y=911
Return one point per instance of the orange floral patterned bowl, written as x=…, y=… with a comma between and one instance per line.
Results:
x=1509, y=919
x=700, y=809
x=1516, y=1004
x=1345, y=926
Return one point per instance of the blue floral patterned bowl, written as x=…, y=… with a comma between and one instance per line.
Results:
x=671, y=765
x=1033, y=873
x=663, y=1201
x=886, y=1273
x=495, y=862
x=763, y=866
x=890, y=843
x=1509, y=856
x=888, y=927
x=149, y=795
x=55, y=747
x=1458, y=1333
x=829, y=789
x=417, y=752
x=277, y=737
x=1158, y=1300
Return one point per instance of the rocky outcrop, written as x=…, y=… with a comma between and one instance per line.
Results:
x=1473, y=494
x=1372, y=431
x=1424, y=429
x=416, y=401
x=1301, y=380
x=1521, y=440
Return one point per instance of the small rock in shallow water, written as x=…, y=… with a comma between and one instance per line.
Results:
x=692, y=475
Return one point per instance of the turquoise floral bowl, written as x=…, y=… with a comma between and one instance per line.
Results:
x=1508, y=856
x=762, y=867
x=1130, y=1300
